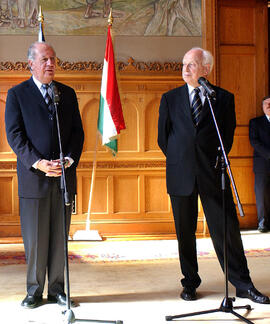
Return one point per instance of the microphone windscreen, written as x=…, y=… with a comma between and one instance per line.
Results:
x=56, y=97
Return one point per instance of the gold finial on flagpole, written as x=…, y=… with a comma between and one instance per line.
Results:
x=40, y=16
x=110, y=19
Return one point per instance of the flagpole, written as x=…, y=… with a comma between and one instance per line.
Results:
x=88, y=234
x=93, y=178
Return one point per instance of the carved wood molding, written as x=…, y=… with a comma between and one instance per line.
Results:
x=123, y=165
x=11, y=166
x=78, y=66
x=11, y=66
x=4, y=165
x=133, y=66
x=130, y=66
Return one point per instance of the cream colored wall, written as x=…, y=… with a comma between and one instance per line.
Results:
x=91, y=48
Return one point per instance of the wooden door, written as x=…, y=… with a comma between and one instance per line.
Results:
x=237, y=34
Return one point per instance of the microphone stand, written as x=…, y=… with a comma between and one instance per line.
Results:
x=227, y=302
x=69, y=316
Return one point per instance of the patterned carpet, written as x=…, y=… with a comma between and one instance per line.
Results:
x=256, y=245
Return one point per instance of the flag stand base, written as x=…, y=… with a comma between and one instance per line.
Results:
x=87, y=235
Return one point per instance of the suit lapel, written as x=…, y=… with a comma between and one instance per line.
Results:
x=206, y=111
x=184, y=101
x=264, y=125
x=35, y=95
x=266, y=122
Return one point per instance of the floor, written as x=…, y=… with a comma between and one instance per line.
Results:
x=138, y=292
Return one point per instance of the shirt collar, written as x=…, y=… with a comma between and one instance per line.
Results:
x=268, y=117
x=190, y=89
x=38, y=83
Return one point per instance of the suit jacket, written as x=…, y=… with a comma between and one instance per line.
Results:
x=191, y=151
x=32, y=134
x=259, y=136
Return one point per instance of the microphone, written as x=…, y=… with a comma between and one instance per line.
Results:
x=207, y=87
x=56, y=97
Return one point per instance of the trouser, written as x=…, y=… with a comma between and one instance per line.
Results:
x=185, y=211
x=43, y=237
x=262, y=193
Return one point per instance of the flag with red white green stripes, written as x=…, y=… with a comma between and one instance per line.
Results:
x=110, y=117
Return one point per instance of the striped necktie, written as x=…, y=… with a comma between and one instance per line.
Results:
x=196, y=106
x=48, y=98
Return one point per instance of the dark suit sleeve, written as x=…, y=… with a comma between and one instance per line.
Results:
x=16, y=132
x=255, y=140
x=163, y=124
x=75, y=145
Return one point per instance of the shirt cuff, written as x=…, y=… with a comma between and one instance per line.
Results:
x=35, y=164
x=70, y=160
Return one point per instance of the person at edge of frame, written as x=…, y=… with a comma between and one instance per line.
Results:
x=259, y=136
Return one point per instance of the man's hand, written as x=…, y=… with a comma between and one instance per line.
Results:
x=50, y=168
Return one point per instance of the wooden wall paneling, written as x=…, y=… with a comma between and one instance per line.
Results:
x=100, y=194
x=244, y=38
x=244, y=179
x=262, y=50
x=79, y=195
x=126, y=194
x=4, y=147
x=155, y=195
x=134, y=208
x=151, y=121
x=9, y=202
x=243, y=85
x=6, y=206
x=233, y=17
x=89, y=114
x=110, y=194
x=131, y=135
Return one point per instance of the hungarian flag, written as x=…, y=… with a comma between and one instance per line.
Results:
x=110, y=117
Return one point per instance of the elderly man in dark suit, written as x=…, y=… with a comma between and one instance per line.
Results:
x=32, y=134
x=259, y=136
x=189, y=140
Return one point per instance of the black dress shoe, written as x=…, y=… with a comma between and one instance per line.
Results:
x=263, y=229
x=60, y=299
x=254, y=295
x=188, y=294
x=31, y=301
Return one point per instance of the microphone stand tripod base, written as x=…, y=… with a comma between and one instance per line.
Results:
x=68, y=316
x=226, y=307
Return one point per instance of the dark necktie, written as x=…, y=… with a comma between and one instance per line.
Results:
x=48, y=98
x=196, y=106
